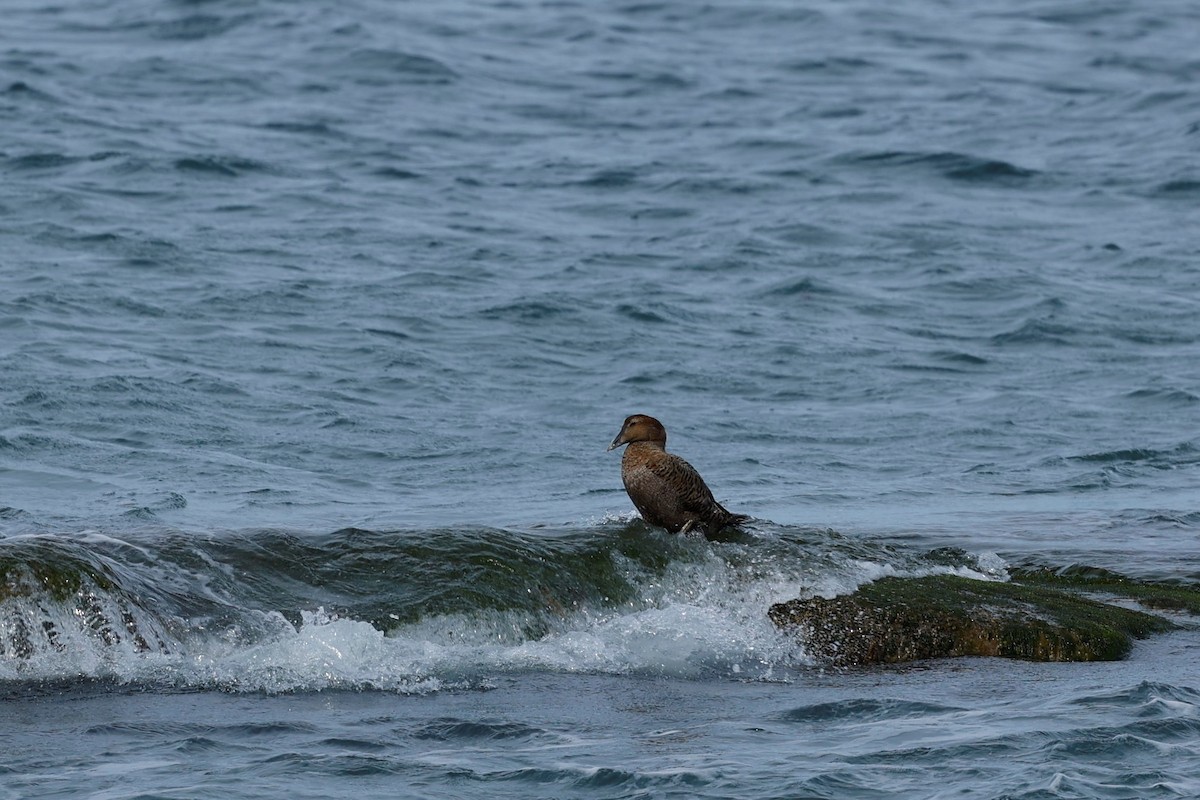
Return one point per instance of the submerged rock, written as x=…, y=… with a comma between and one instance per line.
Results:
x=53, y=601
x=906, y=619
x=1098, y=581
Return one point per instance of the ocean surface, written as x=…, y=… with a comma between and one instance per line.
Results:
x=316, y=319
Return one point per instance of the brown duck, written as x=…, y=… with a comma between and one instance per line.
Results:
x=667, y=490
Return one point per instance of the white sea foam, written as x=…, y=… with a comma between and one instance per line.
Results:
x=324, y=652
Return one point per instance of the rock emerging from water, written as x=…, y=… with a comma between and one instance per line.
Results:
x=908, y=619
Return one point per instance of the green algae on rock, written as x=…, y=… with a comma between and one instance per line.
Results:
x=1099, y=581
x=895, y=620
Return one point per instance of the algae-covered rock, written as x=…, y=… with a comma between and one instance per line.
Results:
x=906, y=619
x=1096, y=580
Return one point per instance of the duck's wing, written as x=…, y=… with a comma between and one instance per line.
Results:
x=694, y=499
x=691, y=493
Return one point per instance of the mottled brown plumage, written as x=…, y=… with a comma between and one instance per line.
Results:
x=667, y=491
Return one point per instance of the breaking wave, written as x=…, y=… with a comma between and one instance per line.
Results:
x=423, y=610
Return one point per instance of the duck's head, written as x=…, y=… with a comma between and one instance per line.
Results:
x=640, y=428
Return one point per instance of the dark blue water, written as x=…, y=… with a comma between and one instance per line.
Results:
x=316, y=319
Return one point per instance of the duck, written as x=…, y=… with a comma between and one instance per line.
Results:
x=666, y=490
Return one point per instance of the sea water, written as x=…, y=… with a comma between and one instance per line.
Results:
x=316, y=320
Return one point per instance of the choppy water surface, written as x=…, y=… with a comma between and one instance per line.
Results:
x=315, y=321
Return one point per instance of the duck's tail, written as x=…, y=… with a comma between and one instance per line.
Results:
x=726, y=519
